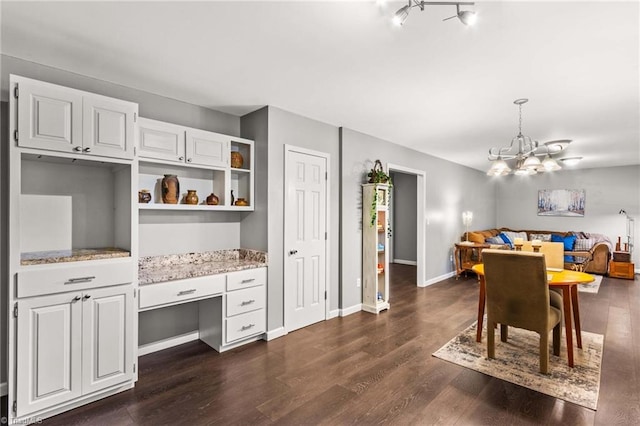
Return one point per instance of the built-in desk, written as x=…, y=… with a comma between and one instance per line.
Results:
x=228, y=285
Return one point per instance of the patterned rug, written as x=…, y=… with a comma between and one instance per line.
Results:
x=517, y=361
x=591, y=287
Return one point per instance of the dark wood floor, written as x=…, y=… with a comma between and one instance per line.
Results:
x=368, y=369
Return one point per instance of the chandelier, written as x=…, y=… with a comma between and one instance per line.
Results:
x=524, y=152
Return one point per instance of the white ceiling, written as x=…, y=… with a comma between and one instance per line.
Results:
x=438, y=87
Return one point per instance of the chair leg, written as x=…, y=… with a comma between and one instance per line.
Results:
x=544, y=352
x=504, y=332
x=491, y=339
x=557, y=336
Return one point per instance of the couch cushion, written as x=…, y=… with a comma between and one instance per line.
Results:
x=476, y=237
x=495, y=240
x=568, y=241
x=506, y=239
x=541, y=237
x=584, y=244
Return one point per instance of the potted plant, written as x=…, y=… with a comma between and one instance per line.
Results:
x=377, y=174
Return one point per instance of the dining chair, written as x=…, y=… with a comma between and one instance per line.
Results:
x=518, y=296
x=553, y=253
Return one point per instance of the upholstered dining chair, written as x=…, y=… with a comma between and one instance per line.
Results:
x=518, y=296
x=553, y=253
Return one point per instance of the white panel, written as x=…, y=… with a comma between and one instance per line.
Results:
x=109, y=128
x=205, y=148
x=315, y=216
x=300, y=215
x=52, y=119
x=45, y=223
x=153, y=140
x=315, y=279
x=300, y=172
x=110, y=326
x=299, y=274
x=51, y=350
x=315, y=171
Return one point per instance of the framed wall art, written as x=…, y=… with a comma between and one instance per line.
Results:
x=561, y=202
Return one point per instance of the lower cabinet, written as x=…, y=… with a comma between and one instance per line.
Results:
x=71, y=345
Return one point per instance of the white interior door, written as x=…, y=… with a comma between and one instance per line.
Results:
x=305, y=238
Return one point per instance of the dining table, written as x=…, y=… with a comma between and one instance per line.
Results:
x=564, y=280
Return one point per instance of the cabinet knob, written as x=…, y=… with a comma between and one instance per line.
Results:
x=188, y=160
x=181, y=158
x=75, y=299
x=77, y=148
x=86, y=296
x=87, y=150
x=292, y=252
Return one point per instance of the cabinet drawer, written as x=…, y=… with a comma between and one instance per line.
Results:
x=246, y=279
x=245, y=325
x=58, y=278
x=174, y=292
x=241, y=301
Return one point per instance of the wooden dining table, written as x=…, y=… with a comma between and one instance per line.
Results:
x=565, y=280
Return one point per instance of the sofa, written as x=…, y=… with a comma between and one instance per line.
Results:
x=596, y=247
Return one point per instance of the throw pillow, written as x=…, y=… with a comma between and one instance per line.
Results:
x=494, y=240
x=584, y=244
x=505, y=239
x=476, y=237
x=541, y=237
x=568, y=241
x=513, y=235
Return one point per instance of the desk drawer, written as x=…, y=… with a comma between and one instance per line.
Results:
x=174, y=292
x=72, y=276
x=249, y=299
x=245, y=325
x=246, y=279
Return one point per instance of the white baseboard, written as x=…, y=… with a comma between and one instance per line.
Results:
x=4, y=389
x=405, y=262
x=437, y=279
x=274, y=334
x=334, y=314
x=350, y=310
x=168, y=343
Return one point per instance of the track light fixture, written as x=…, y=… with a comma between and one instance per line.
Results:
x=467, y=17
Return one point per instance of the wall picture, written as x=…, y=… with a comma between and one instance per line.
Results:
x=561, y=202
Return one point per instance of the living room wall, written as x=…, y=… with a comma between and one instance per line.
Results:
x=607, y=190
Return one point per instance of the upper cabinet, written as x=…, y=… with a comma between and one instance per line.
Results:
x=57, y=118
x=207, y=148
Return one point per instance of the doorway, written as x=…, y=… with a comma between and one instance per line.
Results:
x=306, y=209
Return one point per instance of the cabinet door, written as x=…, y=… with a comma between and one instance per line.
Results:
x=108, y=127
x=160, y=140
x=49, y=117
x=207, y=148
x=48, y=351
x=107, y=333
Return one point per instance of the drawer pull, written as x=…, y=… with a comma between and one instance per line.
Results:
x=247, y=302
x=246, y=327
x=79, y=280
x=86, y=297
x=185, y=292
x=75, y=299
x=248, y=280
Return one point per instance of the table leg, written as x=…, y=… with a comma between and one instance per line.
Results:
x=576, y=314
x=481, y=302
x=566, y=300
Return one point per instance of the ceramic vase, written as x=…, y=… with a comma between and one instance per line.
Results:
x=241, y=202
x=213, y=199
x=233, y=198
x=144, y=196
x=191, y=197
x=170, y=189
x=236, y=160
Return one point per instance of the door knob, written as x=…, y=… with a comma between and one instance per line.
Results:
x=292, y=252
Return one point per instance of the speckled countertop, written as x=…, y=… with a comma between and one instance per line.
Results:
x=157, y=269
x=73, y=255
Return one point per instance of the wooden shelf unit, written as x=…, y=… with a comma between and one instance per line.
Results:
x=375, y=244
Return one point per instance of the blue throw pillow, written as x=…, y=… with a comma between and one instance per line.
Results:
x=569, y=241
x=506, y=239
x=494, y=240
x=555, y=238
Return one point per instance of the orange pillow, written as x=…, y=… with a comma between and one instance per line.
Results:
x=476, y=237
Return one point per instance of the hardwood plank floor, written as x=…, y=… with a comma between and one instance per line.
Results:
x=368, y=369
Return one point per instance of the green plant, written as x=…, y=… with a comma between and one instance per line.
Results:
x=377, y=174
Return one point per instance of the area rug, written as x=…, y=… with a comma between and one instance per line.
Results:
x=517, y=361
x=591, y=287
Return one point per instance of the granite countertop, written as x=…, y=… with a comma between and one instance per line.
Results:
x=73, y=255
x=157, y=269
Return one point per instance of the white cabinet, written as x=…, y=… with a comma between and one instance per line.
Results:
x=207, y=148
x=162, y=141
x=72, y=344
x=375, y=252
x=245, y=313
x=57, y=118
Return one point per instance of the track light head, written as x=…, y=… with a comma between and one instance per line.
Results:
x=401, y=15
x=467, y=17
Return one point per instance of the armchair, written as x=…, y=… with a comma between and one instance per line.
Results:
x=518, y=296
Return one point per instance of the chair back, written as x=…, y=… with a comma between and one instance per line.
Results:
x=553, y=253
x=517, y=288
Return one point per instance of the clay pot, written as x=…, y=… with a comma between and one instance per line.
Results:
x=236, y=160
x=144, y=196
x=213, y=199
x=170, y=189
x=191, y=197
x=242, y=202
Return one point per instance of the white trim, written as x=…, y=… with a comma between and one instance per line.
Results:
x=438, y=279
x=274, y=334
x=405, y=262
x=4, y=389
x=334, y=314
x=327, y=251
x=350, y=310
x=421, y=244
x=168, y=343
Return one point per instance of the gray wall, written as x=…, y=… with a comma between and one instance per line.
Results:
x=404, y=211
x=291, y=129
x=450, y=190
x=607, y=191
